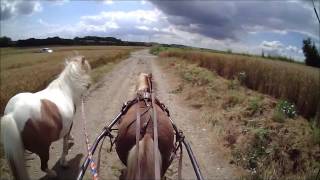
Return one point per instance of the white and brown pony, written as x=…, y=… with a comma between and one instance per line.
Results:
x=33, y=121
x=126, y=140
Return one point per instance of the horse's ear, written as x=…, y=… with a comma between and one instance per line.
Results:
x=66, y=62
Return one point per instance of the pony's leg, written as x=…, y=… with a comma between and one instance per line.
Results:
x=44, y=157
x=65, y=149
x=67, y=141
x=70, y=137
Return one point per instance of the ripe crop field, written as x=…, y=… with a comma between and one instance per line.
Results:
x=296, y=83
x=264, y=135
x=25, y=69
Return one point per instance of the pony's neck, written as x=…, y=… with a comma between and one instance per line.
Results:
x=65, y=83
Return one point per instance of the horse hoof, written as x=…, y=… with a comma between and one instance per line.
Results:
x=70, y=138
x=70, y=141
x=64, y=163
x=51, y=173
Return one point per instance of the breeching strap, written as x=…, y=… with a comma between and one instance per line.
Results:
x=155, y=139
x=180, y=163
x=138, y=138
x=155, y=131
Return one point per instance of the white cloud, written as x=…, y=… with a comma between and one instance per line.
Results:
x=59, y=2
x=108, y=2
x=272, y=44
x=293, y=49
x=137, y=16
x=276, y=48
x=121, y=24
x=143, y=28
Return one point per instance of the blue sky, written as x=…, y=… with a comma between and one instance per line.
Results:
x=276, y=27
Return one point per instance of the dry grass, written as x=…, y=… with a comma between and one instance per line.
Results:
x=24, y=69
x=242, y=123
x=296, y=83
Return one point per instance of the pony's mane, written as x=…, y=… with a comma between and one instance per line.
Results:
x=72, y=75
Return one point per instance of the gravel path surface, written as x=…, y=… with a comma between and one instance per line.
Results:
x=104, y=101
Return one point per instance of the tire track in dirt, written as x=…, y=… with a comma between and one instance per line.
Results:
x=104, y=101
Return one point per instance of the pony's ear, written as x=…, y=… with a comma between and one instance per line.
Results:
x=66, y=62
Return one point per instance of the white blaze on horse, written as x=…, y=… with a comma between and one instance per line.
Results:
x=33, y=121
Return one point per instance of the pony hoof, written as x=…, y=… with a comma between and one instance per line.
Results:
x=51, y=173
x=70, y=143
x=64, y=163
x=70, y=138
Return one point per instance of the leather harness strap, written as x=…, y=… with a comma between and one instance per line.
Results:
x=138, y=138
x=180, y=164
x=155, y=135
x=144, y=96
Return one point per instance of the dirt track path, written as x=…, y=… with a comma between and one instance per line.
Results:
x=104, y=102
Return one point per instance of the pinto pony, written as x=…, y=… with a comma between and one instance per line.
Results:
x=33, y=121
x=126, y=146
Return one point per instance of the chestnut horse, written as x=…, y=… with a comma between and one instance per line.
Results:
x=33, y=121
x=126, y=140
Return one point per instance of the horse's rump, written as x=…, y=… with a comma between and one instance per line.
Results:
x=126, y=138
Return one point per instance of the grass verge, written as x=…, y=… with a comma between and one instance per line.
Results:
x=243, y=124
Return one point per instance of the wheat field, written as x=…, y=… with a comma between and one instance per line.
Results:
x=27, y=70
x=296, y=83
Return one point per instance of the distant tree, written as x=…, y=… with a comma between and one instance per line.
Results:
x=5, y=41
x=312, y=57
x=262, y=53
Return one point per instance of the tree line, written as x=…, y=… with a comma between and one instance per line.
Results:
x=312, y=56
x=87, y=40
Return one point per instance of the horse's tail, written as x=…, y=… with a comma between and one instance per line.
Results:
x=13, y=147
x=146, y=153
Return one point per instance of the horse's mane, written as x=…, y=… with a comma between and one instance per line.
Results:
x=73, y=75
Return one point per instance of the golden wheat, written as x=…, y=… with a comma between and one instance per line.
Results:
x=294, y=82
x=26, y=70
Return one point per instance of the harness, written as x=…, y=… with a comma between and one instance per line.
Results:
x=180, y=141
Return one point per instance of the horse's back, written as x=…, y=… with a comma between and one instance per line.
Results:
x=23, y=106
x=127, y=130
x=38, y=108
x=18, y=98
